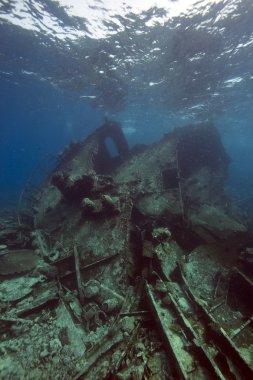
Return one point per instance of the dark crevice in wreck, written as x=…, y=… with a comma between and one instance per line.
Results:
x=135, y=266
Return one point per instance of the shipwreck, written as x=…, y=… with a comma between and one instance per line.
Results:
x=129, y=266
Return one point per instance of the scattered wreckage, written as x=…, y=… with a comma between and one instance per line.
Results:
x=134, y=266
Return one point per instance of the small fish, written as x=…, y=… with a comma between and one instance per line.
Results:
x=88, y=97
x=151, y=84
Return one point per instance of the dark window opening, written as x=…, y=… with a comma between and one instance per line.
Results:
x=111, y=147
x=170, y=178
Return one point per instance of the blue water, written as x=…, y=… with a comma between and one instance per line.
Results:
x=37, y=121
x=66, y=65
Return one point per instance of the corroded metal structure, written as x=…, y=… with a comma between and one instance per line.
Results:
x=135, y=266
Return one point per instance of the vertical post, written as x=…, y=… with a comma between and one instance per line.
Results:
x=78, y=275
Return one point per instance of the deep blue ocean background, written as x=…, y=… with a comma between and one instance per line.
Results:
x=147, y=68
x=37, y=121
